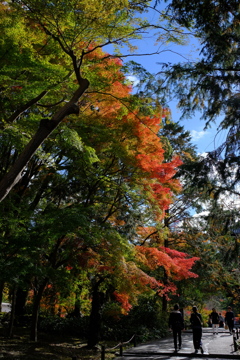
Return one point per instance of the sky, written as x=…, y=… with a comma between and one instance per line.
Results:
x=205, y=140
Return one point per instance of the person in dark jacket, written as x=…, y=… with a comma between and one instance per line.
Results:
x=176, y=324
x=215, y=321
x=229, y=319
x=221, y=320
x=196, y=322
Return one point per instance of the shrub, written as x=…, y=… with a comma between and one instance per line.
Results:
x=62, y=326
x=144, y=320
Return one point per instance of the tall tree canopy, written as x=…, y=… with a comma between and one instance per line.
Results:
x=97, y=170
x=211, y=84
x=94, y=164
x=47, y=64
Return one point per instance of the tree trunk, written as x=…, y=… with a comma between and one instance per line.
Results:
x=2, y=283
x=95, y=317
x=164, y=303
x=77, y=309
x=165, y=276
x=12, y=317
x=35, y=311
x=21, y=298
x=45, y=129
x=77, y=304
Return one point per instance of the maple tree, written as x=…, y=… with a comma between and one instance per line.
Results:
x=55, y=41
x=200, y=186
x=176, y=264
x=141, y=176
x=89, y=180
x=98, y=168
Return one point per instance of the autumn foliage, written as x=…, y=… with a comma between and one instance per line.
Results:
x=176, y=264
x=92, y=180
x=159, y=182
x=112, y=105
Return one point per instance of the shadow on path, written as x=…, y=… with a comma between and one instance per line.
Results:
x=219, y=346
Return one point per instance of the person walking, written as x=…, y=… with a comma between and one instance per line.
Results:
x=221, y=320
x=229, y=319
x=209, y=321
x=176, y=324
x=215, y=321
x=196, y=322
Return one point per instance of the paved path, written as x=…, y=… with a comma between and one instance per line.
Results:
x=219, y=346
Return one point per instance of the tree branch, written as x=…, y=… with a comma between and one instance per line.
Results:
x=26, y=106
x=45, y=129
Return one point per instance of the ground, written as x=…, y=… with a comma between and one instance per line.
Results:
x=48, y=347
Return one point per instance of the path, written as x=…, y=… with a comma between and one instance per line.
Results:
x=219, y=346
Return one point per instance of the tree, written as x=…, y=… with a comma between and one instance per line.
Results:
x=99, y=168
x=85, y=190
x=56, y=42
x=210, y=85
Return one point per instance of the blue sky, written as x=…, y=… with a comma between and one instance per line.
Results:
x=205, y=140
